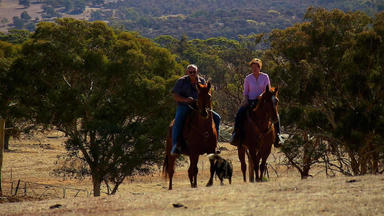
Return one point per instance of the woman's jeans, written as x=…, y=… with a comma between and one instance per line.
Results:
x=181, y=112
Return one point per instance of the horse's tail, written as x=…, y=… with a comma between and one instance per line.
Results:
x=165, y=166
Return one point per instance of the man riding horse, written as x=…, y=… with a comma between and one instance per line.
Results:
x=185, y=93
x=254, y=85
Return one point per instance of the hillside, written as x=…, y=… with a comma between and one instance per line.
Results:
x=195, y=19
x=284, y=194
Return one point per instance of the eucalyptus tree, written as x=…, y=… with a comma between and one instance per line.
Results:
x=8, y=106
x=108, y=93
x=328, y=67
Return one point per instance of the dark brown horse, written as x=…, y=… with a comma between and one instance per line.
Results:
x=259, y=133
x=199, y=137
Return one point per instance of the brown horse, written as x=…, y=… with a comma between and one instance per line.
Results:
x=259, y=133
x=199, y=137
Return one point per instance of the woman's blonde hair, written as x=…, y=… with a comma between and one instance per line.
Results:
x=256, y=61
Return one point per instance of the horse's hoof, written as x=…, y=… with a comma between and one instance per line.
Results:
x=209, y=184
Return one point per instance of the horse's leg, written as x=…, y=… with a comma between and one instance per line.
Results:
x=241, y=154
x=262, y=167
x=169, y=161
x=212, y=170
x=257, y=166
x=255, y=158
x=171, y=170
x=251, y=169
x=193, y=170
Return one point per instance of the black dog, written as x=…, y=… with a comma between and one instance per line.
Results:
x=223, y=168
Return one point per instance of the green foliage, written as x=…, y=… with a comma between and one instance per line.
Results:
x=332, y=73
x=201, y=19
x=109, y=93
x=25, y=16
x=49, y=12
x=25, y=3
x=8, y=52
x=18, y=22
x=15, y=36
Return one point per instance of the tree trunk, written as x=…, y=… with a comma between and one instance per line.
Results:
x=305, y=172
x=354, y=163
x=115, y=189
x=6, y=141
x=2, y=133
x=96, y=180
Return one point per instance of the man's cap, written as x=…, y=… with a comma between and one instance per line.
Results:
x=192, y=66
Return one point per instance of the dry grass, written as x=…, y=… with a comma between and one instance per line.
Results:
x=33, y=159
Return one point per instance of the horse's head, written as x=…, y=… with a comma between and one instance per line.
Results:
x=204, y=99
x=267, y=103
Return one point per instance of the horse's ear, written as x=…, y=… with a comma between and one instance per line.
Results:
x=198, y=86
x=267, y=88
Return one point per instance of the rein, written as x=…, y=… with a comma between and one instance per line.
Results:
x=205, y=133
x=198, y=109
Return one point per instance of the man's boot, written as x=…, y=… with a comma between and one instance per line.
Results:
x=278, y=141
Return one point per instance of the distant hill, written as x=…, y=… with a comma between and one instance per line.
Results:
x=193, y=18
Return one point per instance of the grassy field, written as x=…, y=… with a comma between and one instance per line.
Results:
x=32, y=159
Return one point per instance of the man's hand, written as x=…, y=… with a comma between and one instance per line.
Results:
x=189, y=100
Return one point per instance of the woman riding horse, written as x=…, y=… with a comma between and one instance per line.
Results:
x=254, y=84
x=259, y=134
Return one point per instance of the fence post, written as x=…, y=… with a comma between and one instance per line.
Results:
x=2, y=133
x=17, y=187
x=25, y=189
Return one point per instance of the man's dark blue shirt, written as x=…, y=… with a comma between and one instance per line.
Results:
x=185, y=88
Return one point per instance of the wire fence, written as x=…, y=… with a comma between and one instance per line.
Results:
x=41, y=191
